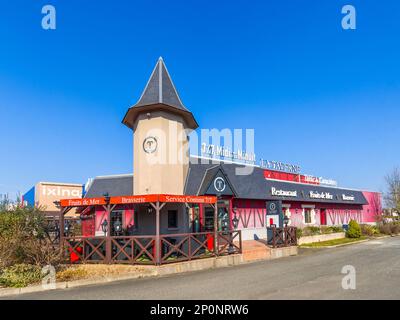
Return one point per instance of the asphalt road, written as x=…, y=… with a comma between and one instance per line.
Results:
x=314, y=274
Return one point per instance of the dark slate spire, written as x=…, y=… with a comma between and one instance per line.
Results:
x=159, y=93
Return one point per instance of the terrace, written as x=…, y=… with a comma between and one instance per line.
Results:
x=116, y=245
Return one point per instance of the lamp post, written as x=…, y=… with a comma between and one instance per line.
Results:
x=104, y=226
x=57, y=204
x=285, y=220
x=235, y=220
x=106, y=197
x=67, y=228
x=118, y=227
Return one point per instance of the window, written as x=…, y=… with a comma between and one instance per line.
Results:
x=307, y=215
x=172, y=219
x=209, y=219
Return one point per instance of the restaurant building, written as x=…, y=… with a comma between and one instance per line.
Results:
x=242, y=199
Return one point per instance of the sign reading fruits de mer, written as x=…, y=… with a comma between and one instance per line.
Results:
x=82, y=202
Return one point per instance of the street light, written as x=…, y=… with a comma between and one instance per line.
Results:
x=117, y=226
x=57, y=204
x=235, y=223
x=235, y=220
x=104, y=226
x=106, y=197
x=285, y=220
x=67, y=227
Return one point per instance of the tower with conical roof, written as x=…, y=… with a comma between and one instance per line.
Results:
x=161, y=125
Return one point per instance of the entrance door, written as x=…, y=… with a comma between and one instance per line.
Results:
x=323, y=217
x=223, y=218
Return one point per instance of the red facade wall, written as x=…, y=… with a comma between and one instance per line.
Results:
x=251, y=213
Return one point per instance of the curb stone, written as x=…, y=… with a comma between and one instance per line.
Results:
x=349, y=243
x=5, y=292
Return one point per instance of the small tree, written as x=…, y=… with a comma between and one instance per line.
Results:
x=392, y=196
x=23, y=237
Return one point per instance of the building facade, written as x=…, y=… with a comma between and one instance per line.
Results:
x=161, y=125
x=305, y=201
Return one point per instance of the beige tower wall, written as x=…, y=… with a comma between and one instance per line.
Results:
x=165, y=170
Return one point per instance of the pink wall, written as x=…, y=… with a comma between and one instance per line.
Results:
x=251, y=213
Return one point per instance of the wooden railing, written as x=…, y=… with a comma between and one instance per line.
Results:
x=186, y=246
x=283, y=237
x=85, y=249
x=229, y=242
x=133, y=250
x=142, y=249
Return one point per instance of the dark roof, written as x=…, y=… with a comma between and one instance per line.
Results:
x=244, y=184
x=119, y=185
x=159, y=94
x=253, y=185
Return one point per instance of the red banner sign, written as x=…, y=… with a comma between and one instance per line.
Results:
x=82, y=202
x=187, y=199
x=134, y=199
x=138, y=199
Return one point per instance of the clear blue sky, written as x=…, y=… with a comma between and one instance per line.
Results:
x=316, y=95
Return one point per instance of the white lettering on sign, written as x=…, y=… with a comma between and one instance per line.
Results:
x=125, y=200
x=279, y=166
x=224, y=152
x=322, y=195
x=283, y=193
x=327, y=182
x=347, y=198
x=58, y=191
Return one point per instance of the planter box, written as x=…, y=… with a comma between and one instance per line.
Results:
x=321, y=237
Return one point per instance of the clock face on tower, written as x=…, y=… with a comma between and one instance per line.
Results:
x=150, y=144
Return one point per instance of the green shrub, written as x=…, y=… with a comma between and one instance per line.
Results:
x=299, y=233
x=368, y=230
x=311, y=231
x=20, y=275
x=326, y=230
x=395, y=228
x=23, y=238
x=354, y=230
x=336, y=229
x=72, y=273
x=385, y=228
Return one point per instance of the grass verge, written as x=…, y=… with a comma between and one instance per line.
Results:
x=332, y=242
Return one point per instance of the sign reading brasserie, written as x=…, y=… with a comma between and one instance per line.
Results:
x=348, y=198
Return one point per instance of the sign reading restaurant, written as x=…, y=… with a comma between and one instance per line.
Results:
x=283, y=193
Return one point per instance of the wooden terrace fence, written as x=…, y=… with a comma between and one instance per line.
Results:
x=283, y=237
x=142, y=249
